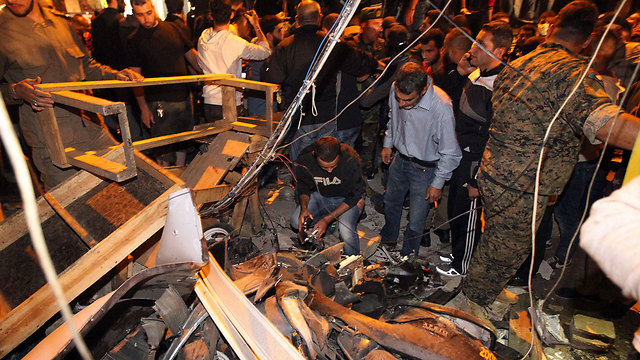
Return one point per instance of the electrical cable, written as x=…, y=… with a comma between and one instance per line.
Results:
x=13, y=148
x=277, y=136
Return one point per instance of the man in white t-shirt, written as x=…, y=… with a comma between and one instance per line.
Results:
x=221, y=52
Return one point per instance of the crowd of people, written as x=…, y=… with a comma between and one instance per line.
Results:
x=450, y=120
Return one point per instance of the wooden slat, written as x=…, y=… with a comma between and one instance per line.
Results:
x=52, y=138
x=70, y=220
x=22, y=321
x=129, y=156
x=229, y=109
x=158, y=172
x=249, y=84
x=88, y=103
x=207, y=170
x=100, y=166
x=104, y=84
x=207, y=195
x=198, y=132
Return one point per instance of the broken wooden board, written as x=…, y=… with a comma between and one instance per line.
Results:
x=121, y=217
x=207, y=170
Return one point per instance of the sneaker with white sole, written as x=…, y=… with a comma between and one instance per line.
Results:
x=448, y=271
x=447, y=259
x=557, y=262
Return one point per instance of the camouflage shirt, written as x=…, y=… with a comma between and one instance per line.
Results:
x=523, y=108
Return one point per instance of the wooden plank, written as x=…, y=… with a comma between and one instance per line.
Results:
x=100, y=166
x=70, y=220
x=158, y=172
x=229, y=107
x=207, y=170
x=198, y=132
x=238, y=213
x=129, y=156
x=207, y=195
x=22, y=321
x=52, y=137
x=105, y=84
x=88, y=103
x=268, y=115
x=249, y=84
x=69, y=191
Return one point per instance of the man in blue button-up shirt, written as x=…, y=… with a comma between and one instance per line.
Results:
x=422, y=130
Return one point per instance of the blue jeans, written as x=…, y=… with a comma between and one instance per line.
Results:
x=406, y=176
x=296, y=148
x=320, y=206
x=349, y=136
x=572, y=202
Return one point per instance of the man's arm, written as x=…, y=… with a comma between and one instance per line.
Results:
x=624, y=131
x=145, y=113
x=192, y=58
x=449, y=151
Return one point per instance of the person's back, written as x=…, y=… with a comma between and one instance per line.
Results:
x=290, y=63
x=108, y=48
x=221, y=52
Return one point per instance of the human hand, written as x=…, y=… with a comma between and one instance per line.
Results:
x=146, y=116
x=408, y=17
x=25, y=90
x=385, y=154
x=321, y=227
x=433, y=194
x=473, y=192
x=303, y=214
x=129, y=75
x=464, y=65
x=252, y=17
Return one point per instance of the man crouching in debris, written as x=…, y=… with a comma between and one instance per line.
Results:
x=329, y=187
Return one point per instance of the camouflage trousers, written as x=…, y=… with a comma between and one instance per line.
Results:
x=505, y=243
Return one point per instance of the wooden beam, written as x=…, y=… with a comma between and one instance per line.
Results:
x=88, y=103
x=127, y=145
x=70, y=220
x=198, y=132
x=22, y=321
x=249, y=84
x=229, y=108
x=52, y=137
x=238, y=213
x=207, y=195
x=208, y=169
x=105, y=84
x=100, y=166
x=158, y=172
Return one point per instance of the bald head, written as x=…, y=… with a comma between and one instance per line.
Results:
x=308, y=13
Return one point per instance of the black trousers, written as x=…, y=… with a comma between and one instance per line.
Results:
x=464, y=215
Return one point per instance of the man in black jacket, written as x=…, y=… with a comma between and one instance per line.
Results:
x=289, y=64
x=330, y=187
x=473, y=119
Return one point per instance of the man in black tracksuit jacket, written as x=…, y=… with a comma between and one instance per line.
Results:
x=472, y=130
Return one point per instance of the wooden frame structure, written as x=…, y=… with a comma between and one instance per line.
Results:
x=64, y=93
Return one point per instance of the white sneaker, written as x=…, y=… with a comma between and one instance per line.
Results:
x=448, y=271
x=447, y=259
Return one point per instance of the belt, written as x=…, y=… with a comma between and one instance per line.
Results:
x=418, y=161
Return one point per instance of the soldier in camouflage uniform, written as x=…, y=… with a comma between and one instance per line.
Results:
x=369, y=40
x=524, y=102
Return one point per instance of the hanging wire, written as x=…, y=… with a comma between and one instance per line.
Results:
x=13, y=148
